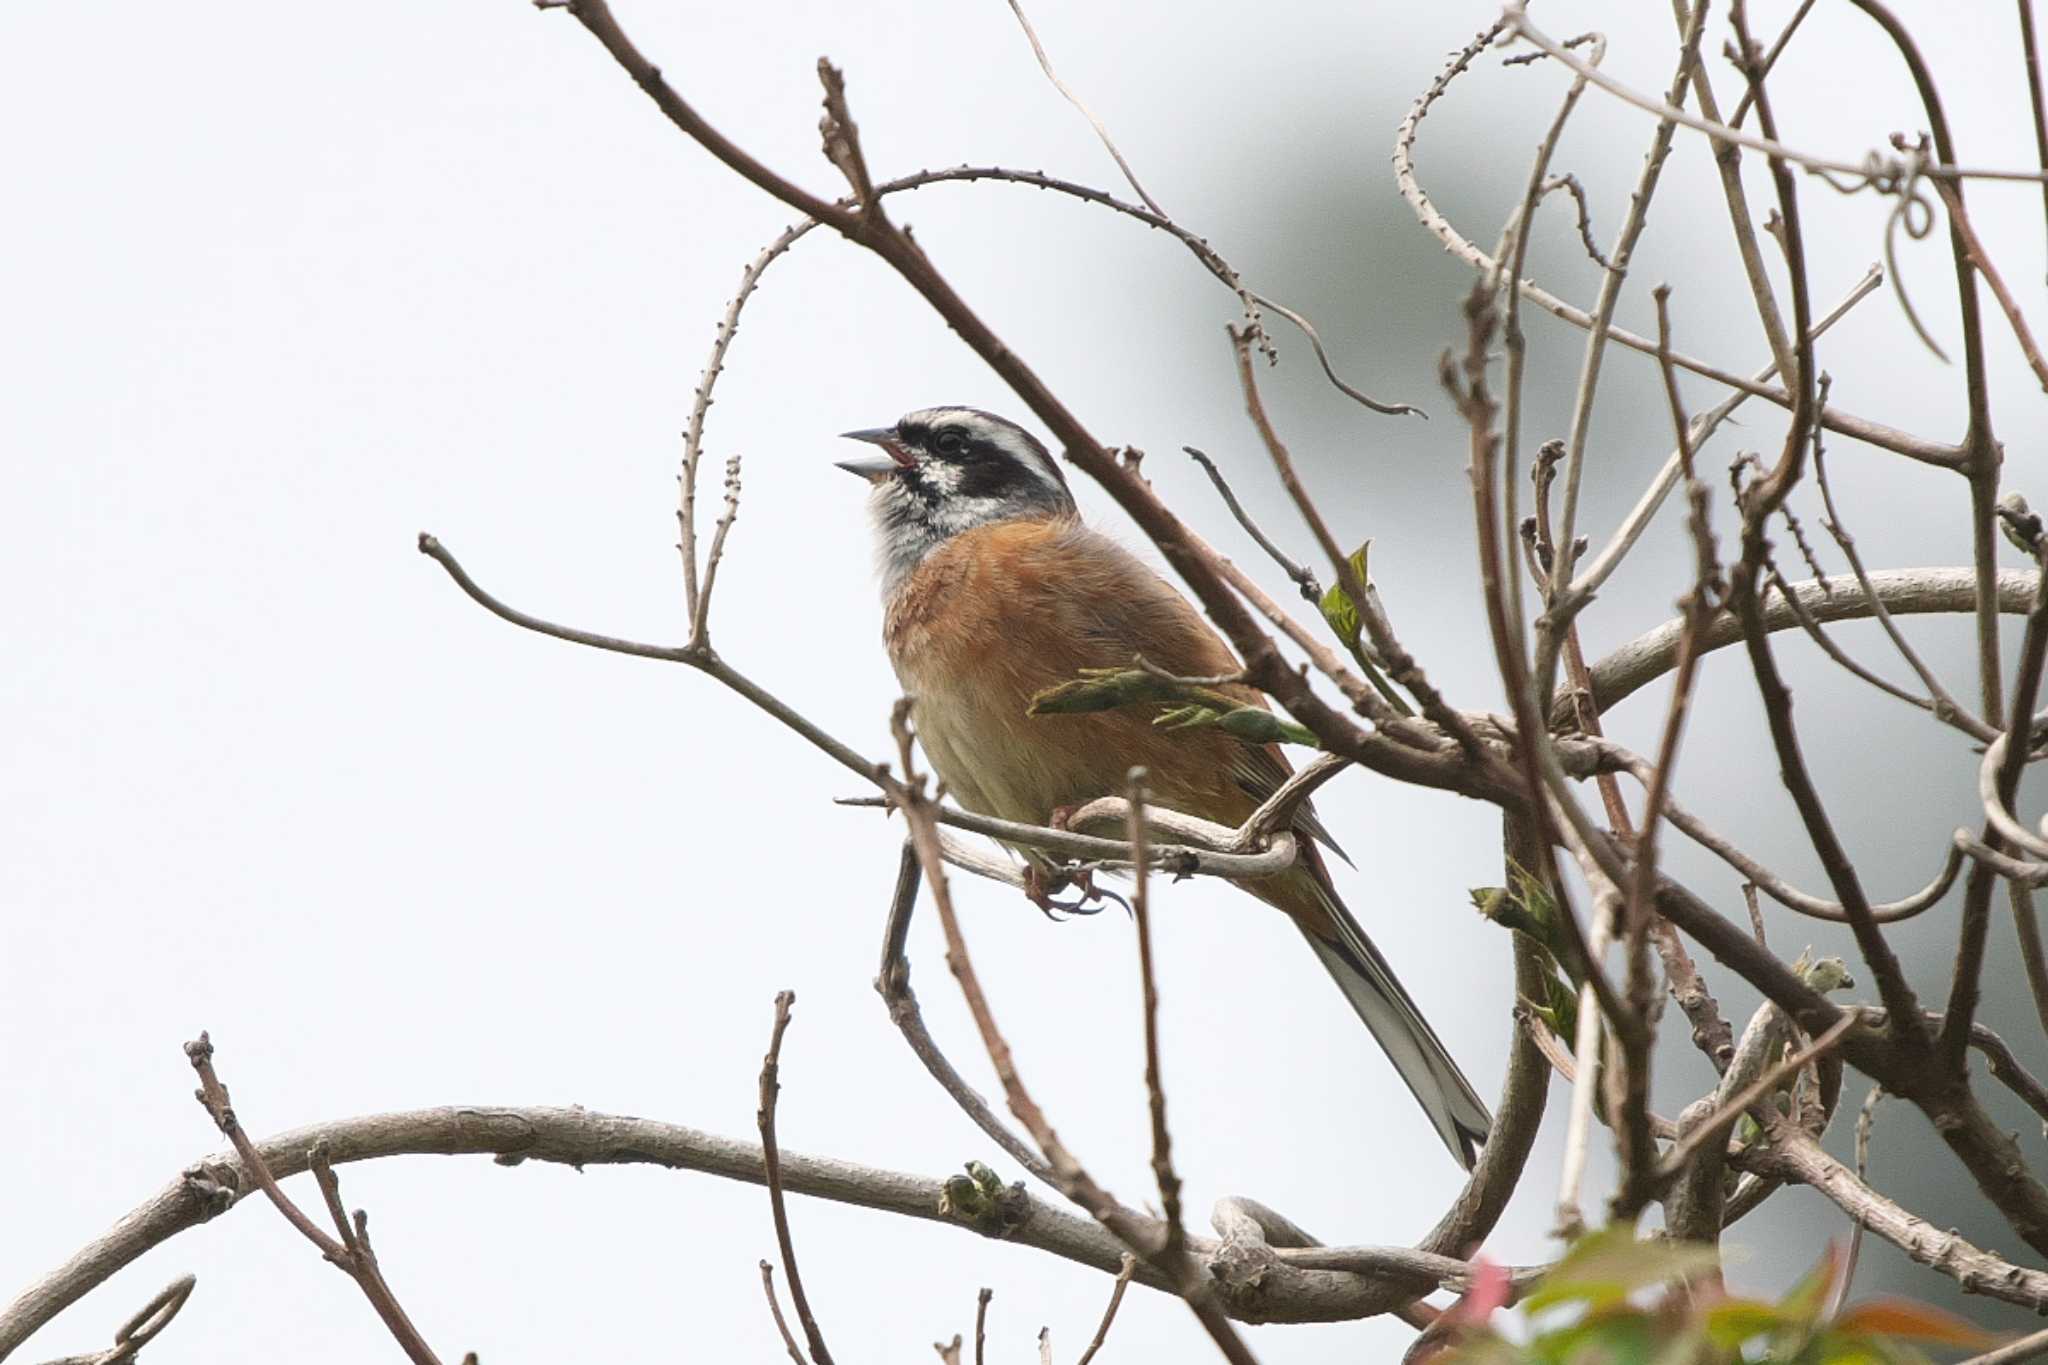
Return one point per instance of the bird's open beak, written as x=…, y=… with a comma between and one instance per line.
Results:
x=877, y=467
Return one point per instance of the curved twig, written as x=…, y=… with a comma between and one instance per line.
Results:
x=1899, y=442
x=581, y=1137
x=1515, y=16
x=1772, y=885
x=1193, y=859
x=1904, y=592
x=1995, y=809
x=2017, y=870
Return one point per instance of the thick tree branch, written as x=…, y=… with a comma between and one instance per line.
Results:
x=582, y=1138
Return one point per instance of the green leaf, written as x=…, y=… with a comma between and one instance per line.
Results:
x=1338, y=608
x=1342, y=615
x=1838, y=1348
x=1106, y=689
x=1624, y=1337
x=1252, y=724
x=1731, y=1322
x=1603, y=1268
x=1103, y=689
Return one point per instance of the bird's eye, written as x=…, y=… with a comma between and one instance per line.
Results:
x=949, y=441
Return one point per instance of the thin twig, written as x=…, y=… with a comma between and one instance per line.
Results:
x=2030, y=53
x=1826, y=644
x=1716, y=1126
x=142, y=1326
x=1116, y=1298
x=775, y=1310
x=1640, y=1174
x=1964, y=985
x=892, y=982
x=1252, y=301
x=1899, y=442
x=1148, y=986
x=1866, y=1120
x=1072, y=1179
x=771, y=1163
x=1776, y=887
x=1299, y=574
x=1401, y=666
x=2005, y=1068
x=1946, y=707
x=1770, y=60
x=351, y=1254
x=1516, y=14
x=1728, y=162
x=1611, y=282
x=1981, y=258
x=1513, y=253
x=1603, y=564
x=2030, y=1347
x=981, y=1324
x=700, y=619
x=1570, y=184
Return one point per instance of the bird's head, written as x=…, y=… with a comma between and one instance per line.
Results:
x=941, y=471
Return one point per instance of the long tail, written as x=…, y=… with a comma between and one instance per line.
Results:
x=1453, y=1107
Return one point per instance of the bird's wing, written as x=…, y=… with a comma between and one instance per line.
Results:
x=1137, y=611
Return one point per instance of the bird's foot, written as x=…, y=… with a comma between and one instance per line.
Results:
x=1089, y=899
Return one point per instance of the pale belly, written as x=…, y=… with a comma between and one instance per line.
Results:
x=997, y=760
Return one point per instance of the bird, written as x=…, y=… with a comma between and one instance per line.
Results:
x=993, y=591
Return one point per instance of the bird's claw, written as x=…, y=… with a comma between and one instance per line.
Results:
x=1039, y=886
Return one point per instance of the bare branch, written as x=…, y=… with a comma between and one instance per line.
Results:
x=775, y=1310
x=700, y=617
x=1300, y=575
x=1794, y=1155
x=1070, y=1177
x=352, y=1254
x=893, y=984
x=1715, y=1127
x=142, y=1326
x=1609, y=297
x=1903, y=592
x=1101, y=132
x=1116, y=1298
x=577, y=1138
x=2030, y=53
x=1997, y=784
x=1603, y=565
x=1981, y=259
x=771, y=1166
x=1516, y=16
x=1888, y=438
x=1148, y=995
x=1401, y=666
x=1728, y=161
x=1946, y=707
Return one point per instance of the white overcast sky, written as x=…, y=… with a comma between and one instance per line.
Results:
x=286, y=284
